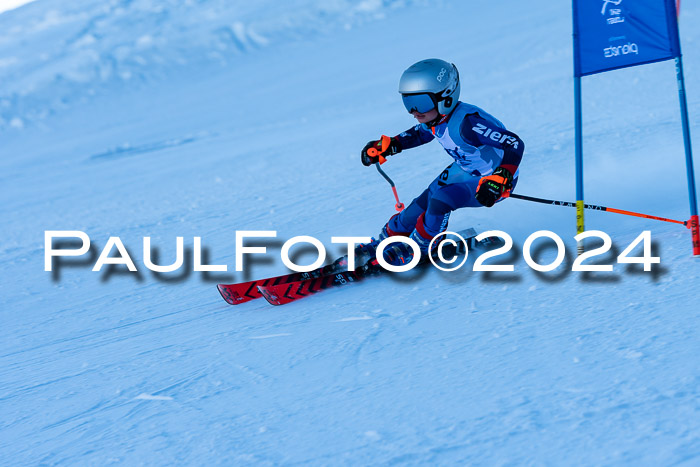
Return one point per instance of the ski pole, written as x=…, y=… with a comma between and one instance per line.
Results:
x=595, y=208
x=373, y=152
x=399, y=205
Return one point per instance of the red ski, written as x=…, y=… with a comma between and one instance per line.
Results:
x=235, y=294
x=284, y=293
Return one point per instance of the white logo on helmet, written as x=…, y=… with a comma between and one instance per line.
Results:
x=441, y=75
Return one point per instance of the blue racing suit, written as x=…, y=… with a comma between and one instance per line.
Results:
x=478, y=143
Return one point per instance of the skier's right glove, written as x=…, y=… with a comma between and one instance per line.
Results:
x=491, y=188
x=378, y=150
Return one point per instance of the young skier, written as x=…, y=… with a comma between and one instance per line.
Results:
x=486, y=155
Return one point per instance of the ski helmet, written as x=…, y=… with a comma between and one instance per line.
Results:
x=430, y=84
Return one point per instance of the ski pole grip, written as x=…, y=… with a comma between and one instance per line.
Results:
x=384, y=143
x=374, y=153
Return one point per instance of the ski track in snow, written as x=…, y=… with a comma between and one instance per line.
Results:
x=128, y=127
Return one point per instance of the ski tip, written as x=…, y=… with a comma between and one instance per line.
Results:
x=270, y=295
x=224, y=294
x=231, y=296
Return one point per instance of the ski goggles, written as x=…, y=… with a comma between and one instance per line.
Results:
x=421, y=103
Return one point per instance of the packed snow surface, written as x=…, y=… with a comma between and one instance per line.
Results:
x=202, y=118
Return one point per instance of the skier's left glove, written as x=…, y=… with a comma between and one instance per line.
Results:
x=377, y=150
x=492, y=187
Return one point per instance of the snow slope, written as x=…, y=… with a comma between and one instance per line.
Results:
x=201, y=118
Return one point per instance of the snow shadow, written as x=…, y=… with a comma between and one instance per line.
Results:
x=127, y=149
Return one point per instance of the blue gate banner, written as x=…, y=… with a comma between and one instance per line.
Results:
x=611, y=34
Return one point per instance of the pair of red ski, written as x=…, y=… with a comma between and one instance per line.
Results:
x=287, y=288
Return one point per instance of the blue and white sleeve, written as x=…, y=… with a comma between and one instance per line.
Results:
x=414, y=136
x=478, y=131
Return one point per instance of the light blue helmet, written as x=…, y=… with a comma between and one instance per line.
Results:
x=430, y=81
